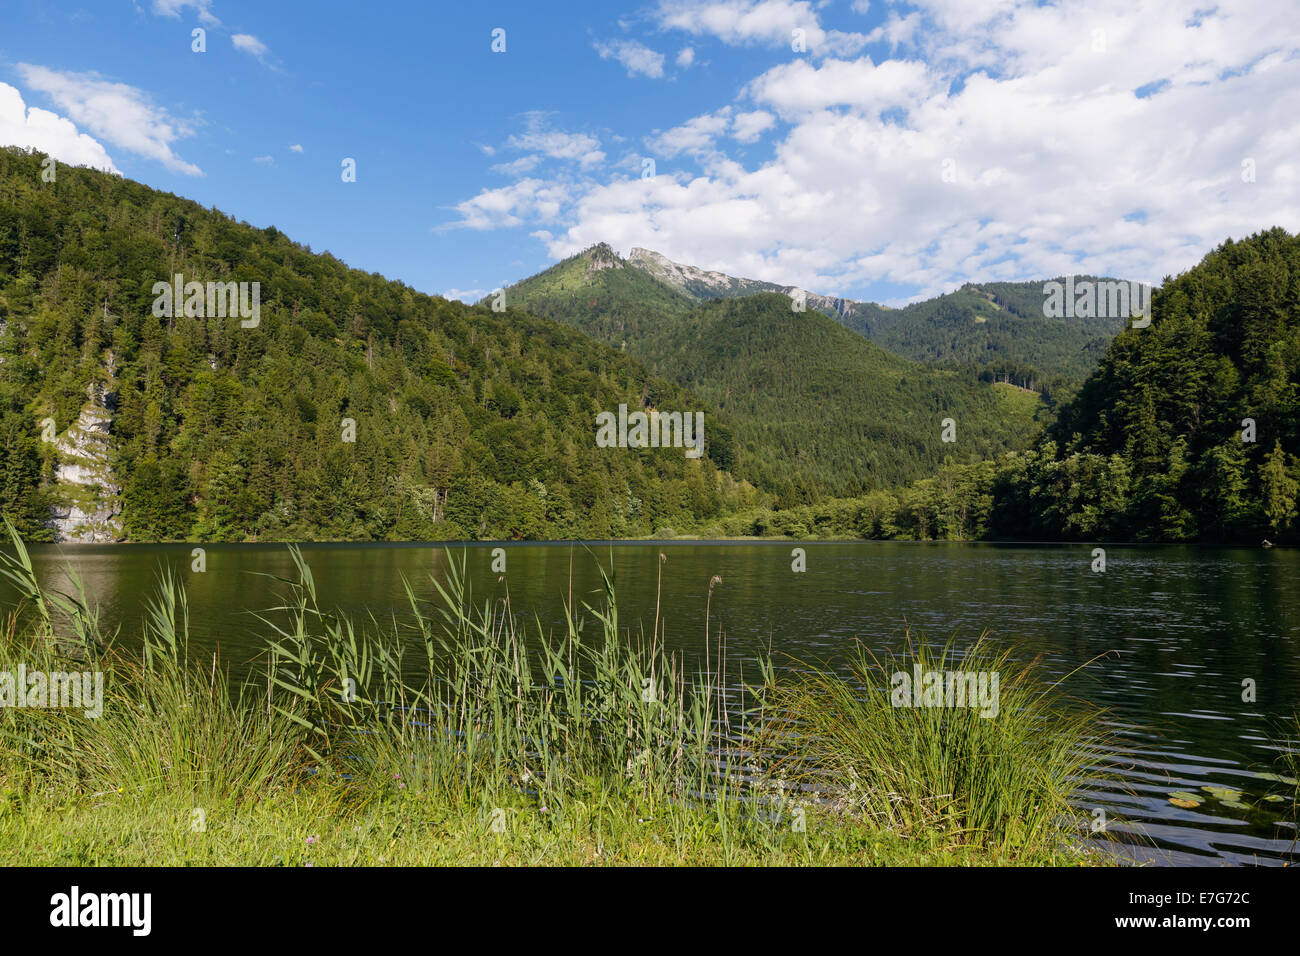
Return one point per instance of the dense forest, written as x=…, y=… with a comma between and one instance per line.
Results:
x=998, y=327
x=1189, y=430
x=464, y=422
x=817, y=409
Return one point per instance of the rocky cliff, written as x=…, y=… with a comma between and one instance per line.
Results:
x=87, y=499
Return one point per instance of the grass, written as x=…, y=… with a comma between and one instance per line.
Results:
x=981, y=778
x=464, y=736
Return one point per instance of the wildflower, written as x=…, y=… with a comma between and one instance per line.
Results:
x=311, y=840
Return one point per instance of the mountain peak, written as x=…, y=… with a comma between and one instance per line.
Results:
x=602, y=256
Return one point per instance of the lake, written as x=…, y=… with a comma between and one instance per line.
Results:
x=1177, y=630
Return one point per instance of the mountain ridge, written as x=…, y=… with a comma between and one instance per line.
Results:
x=997, y=327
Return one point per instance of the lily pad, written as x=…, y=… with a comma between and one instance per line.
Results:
x=1185, y=800
x=1278, y=778
x=1226, y=794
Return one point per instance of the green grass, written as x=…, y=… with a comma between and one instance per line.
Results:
x=514, y=745
x=1000, y=780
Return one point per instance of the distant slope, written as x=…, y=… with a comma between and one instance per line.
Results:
x=998, y=327
x=467, y=423
x=817, y=409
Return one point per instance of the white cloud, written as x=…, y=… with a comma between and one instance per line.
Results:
x=757, y=22
x=694, y=136
x=247, y=43
x=119, y=113
x=513, y=205
x=264, y=160
x=748, y=127
x=296, y=148
x=1057, y=165
x=518, y=167
x=48, y=132
x=468, y=296
x=174, y=8
x=685, y=57
x=637, y=58
x=799, y=86
x=557, y=144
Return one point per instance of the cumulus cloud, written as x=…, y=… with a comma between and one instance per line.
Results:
x=247, y=43
x=685, y=57
x=637, y=58
x=296, y=148
x=757, y=22
x=983, y=140
x=748, y=127
x=529, y=200
x=48, y=132
x=581, y=148
x=119, y=113
x=694, y=136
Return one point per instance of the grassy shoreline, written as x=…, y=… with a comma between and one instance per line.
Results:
x=516, y=747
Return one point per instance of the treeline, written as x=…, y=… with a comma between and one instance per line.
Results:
x=465, y=423
x=1188, y=431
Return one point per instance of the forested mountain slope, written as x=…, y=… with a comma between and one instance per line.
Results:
x=1190, y=428
x=997, y=327
x=817, y=409
x=355, y=408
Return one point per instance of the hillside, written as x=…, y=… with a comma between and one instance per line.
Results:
x=817, y=409
x=355, y=407
x=997, y=327
x=1190, y=428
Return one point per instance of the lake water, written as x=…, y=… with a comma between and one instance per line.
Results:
x=1181, y=628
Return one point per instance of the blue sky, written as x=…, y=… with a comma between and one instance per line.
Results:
x=904, y=149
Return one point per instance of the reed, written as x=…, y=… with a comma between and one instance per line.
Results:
x=1014, y=778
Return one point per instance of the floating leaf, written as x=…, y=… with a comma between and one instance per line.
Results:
x=1185, y=800
x=1226, y=794
x=1278, y=778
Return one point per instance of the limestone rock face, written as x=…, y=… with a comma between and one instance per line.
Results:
x=88, y=506
x=701, y=284
x=603, y=257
